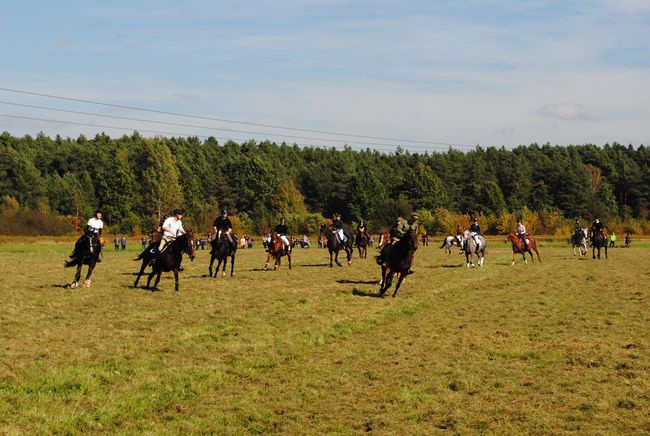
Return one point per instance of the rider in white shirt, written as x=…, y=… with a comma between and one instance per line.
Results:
x=172, y=227
x=521, y=232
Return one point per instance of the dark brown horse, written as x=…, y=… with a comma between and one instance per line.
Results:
x=362, y=244
x=170, y=260
x=222, y=249
x=518, y=247
x=277, y=250
x=86, y=252
x=334, y=245
x=398, y=259
x=598, y=241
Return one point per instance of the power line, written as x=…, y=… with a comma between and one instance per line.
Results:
x=207, y=127
x=158, y=132
x=232, y=121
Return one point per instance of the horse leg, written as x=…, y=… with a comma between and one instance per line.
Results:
x=151, y=274
x=211, y=263
x=513, y=258
x=91, y=267
x=336, y=259
x=77, y=276
x=289, y=259
x=349, y=252
x=232, y=265
x=155, y=285
x=268, y=258
x=593, y=252
x=536, y=252
x=223, y=271
x=399, y=283
x=605, y=251
x=142, y=268
x=176, y=284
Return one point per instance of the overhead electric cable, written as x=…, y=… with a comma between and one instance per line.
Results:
x=158, y=132
x=205, y=127
x=231, y=121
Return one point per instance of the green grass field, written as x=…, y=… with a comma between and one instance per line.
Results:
x=551, y=348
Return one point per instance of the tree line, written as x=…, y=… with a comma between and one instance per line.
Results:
x=136, y=180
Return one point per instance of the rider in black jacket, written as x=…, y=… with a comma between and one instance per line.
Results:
x=282, y=230
x=223, y=225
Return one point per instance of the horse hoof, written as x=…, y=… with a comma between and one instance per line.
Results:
x=223, y=274
x=74, y=285
x=87, y=284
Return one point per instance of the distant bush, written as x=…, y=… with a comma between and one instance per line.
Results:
x=16, y=220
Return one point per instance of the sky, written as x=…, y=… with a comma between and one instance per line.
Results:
x=420, y=74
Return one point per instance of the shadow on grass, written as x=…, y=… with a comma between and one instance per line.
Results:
x=449, y=266
x=64, y=286
x=370, y=294
x=310, y=265
x=357, y=282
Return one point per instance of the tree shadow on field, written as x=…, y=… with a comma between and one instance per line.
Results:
x=360, y=293
x=357, y=282
x=447, y=266
x=310, y=265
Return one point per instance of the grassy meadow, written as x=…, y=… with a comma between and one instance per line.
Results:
x=562, y=346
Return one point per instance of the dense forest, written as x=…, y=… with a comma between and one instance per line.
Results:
x=135, y=180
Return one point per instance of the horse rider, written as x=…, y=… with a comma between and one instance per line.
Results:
x=361, y=228
x=577, y=231
x=93, y=231
x=223, y=225
x=171, y=228
x=474, y=231
x=282, y=230
x=400, y=229
x=338, y=229
x=521, y=232
x=596, y=229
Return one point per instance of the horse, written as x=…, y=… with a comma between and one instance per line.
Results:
x=221, y=250
x=518, y=247
x=276, y=250
x=334, y=245
x=86, y=252
x=449, y=242
x=362, y=244
x=398, y=259
x=580, y=240
x=598, y=241
x=169, y=260
x=471, y=249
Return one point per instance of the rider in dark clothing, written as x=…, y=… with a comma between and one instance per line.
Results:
x=596, y=229
x=223, y=224
x=475, y=230
x=338, y=228
x=282, y=230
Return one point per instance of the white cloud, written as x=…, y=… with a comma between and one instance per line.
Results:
x=565, y=112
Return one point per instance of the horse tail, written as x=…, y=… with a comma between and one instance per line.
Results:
x=379, y=260
x=69, y=263
x=444, y=242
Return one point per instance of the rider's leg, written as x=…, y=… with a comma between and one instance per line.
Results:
x=285, y=242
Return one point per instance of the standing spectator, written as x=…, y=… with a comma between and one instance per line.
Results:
x=628, y=240
x=143, y=241
x=320, y=241
x=116, y=240
x=123, y=242
x=612, y=240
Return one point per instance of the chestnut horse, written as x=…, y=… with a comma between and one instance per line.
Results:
x=518, y=247
x=276, y=250
x=384, y=238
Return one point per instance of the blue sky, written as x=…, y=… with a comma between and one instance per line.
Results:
x=493, y=72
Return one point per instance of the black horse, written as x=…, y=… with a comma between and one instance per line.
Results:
x=334, y=245
x=362, y=244
x=169, y=260
x=598, y=241
x=397, y=258
x=86, y=252
x=221, y=250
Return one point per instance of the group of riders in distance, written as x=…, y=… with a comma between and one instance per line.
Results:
x=398, y=246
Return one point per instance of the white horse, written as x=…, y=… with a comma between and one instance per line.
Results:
x=580, y=241
x=472, y=249
x=450, y=241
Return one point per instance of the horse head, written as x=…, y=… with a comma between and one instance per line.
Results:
x=189, y=244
